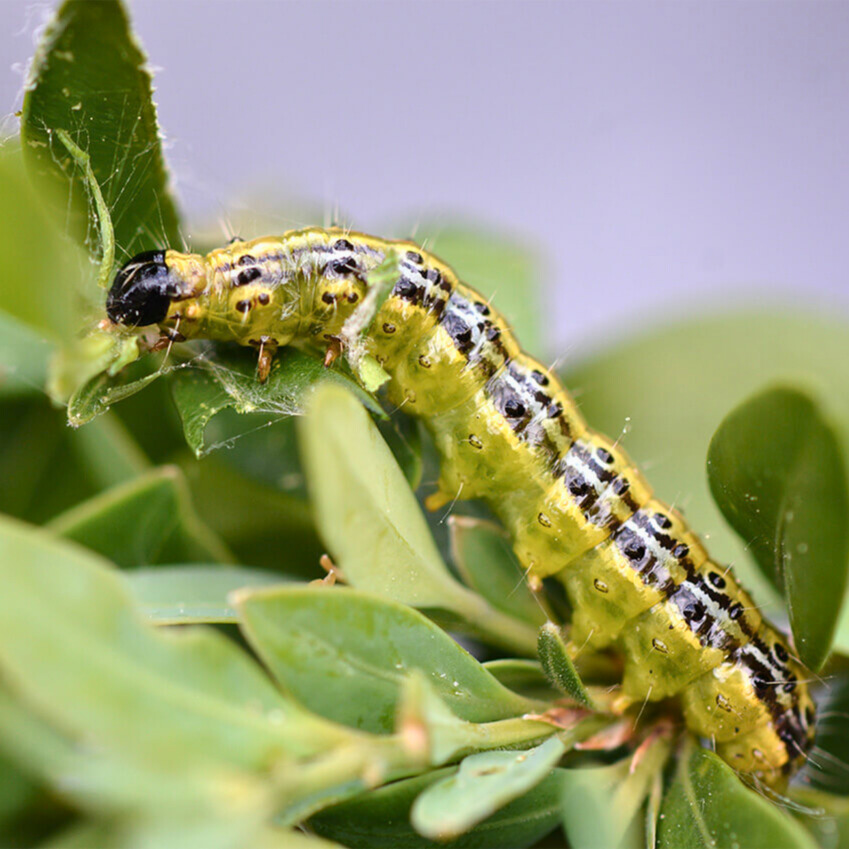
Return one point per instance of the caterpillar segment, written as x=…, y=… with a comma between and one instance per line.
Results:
x=576, y=507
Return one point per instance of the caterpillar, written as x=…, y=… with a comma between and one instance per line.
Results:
x=507, y=432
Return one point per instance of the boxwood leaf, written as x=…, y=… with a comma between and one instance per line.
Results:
x=482, y=554
x=228, y=380
x=345, y=654
x=89, y=78
x=777, y=472
x=54, y=467
x=186, y=594
x=523, y=676
x=824, y=815
x=733, y=815
x=262, y=526
x=147, y=520
x=600, y=804
x=74, y=647
x=372, y=523
x=828, y=767
x=484, y=783
x=381, y=819
x=40, y=283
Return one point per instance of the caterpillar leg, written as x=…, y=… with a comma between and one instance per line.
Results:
x=267, y=350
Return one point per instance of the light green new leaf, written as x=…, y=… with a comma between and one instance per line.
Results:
x=89, y=78
x=777, y=472
x=74, y=647
x=483, y=556
x=708, y=806
x=147, y=520
x=372, y=523
x=345, y=655
x=484, y=783
x=191, y=594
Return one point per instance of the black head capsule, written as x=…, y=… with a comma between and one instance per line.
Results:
x=142, y=291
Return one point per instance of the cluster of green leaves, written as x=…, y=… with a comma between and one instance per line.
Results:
x=286, y=713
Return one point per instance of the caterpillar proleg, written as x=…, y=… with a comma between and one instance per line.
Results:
x=507, y=432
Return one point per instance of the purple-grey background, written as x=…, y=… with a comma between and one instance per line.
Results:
x=660, y=157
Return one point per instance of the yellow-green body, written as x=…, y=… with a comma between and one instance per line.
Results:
x=508, y=433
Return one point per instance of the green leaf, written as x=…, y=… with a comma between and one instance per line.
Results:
x=600, y=804
x=484, y=783
x=99, y=393
x=145, y=804
x=558, y=666
x=499, y=268
x=181, y=595
x=434, y=733
x=144, y=521
x=89, y=78
x=403, y=435
x=262, y=526
x=486, y=562
x=734, y=815
x=372, y=523
x=777, y=473
x=523, y=676
x=824, y=815
x=24, y=355
x=670, y=388
x=51, y=466
x=228, y=380
x=828, y=766
x=380, y=819
x=345, y=654
x=74, y=648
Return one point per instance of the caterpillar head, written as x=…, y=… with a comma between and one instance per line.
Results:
x=142, y=291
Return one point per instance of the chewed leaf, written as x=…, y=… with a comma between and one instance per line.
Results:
x=345, y=655
x=228, y=380
x=89, y=79
x=97, y=394
x=483, y=784
x=778, y=474
x=734, y=815
x=83, y=361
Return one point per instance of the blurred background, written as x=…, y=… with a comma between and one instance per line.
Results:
x=660, y=158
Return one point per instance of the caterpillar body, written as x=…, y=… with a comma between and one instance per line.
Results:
x=507, y=432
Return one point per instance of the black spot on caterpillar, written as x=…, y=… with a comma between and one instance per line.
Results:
x=638, y=578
